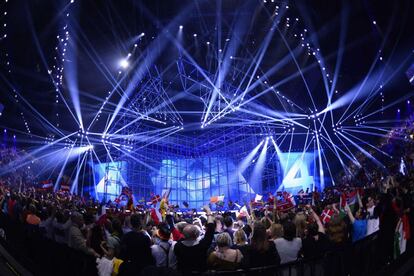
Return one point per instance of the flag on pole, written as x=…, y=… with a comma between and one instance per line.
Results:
x=258, y=198
x=243, y=211
x=65, y=187
x=286, y=203
x=401, y=236
x=215, y=199
x=349, y=198
x=47, y=184
x=156, y=216
x=154, y=199
x=327, y=215
x=166, y=193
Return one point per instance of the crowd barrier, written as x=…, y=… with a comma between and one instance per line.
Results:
x=45, y=257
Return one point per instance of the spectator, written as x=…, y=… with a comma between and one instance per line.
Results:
x=300, y=224
x=191, y=253
x=373, y=216
x=162, y=244
x=289, y=245
x=359, y=223
x=76, y=239
x=261, y=251
x=337, y=232
x=135, y=249
x=32, y=218
x=316, y=243
x=224, y=257
x=275, y=231
x=240, y=238
x=228, y=223
x=61, y=225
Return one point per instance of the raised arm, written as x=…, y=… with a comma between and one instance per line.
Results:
x=335, y=209
x=253, y=217
x=209, y=234
x=350, y=215
x=275, y=214
x=321, y=228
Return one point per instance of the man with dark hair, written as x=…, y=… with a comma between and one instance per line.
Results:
x=289, y=245
x=316, y=243
x=136, y=221
x=228, y=223
x=135, y=249
x=162, y=244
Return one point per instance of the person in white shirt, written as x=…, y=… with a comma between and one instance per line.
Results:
x=289, y=246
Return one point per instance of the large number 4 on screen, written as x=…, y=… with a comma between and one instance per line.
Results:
x=297, y=177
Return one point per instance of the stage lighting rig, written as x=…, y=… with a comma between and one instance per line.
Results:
x=123, y=63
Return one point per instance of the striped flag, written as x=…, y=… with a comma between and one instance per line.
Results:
x=47, y=184
x=349, y=198
x=156, y=216
x=401, y=236
x=215, y=199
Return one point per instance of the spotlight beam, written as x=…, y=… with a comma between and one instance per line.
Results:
x=363, y=151
x=245, y=163
x=256, y=177
x=62, y=170
x=74, y=186
x=368, y=144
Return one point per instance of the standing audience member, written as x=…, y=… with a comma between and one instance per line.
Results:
x=261, y=251
x=316, y=243
x=162, y=244
x=289, y=245
x=32, y=218
x=76, y=239
x=135, y=249
x=359, y=221
x=275, y=231
x=228, y=223
x=191, y=253
x=224, y=257
x=373, y=216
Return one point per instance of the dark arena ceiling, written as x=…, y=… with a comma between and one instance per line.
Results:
x=320, y=74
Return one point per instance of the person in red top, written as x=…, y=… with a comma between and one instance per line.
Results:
x=32, y=218
x=10, y=206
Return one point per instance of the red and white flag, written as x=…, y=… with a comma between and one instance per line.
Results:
x=47, y=184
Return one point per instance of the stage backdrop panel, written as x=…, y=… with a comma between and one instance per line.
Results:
x=197, y=180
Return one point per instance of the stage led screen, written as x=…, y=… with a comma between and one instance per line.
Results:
x=109, y=178
x=197, y=180
x=298, y=171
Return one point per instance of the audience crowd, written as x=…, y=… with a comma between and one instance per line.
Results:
x=130, y=242
x=140, y=242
